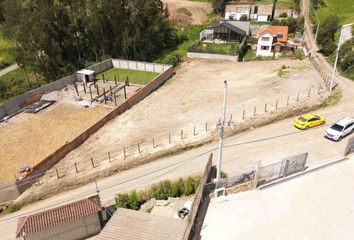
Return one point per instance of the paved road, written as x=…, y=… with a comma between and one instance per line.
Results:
x=268, y=144
x=8, y=69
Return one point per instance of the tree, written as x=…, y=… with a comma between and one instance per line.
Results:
x=317, y=3
x=326, y=34
x=219, y=6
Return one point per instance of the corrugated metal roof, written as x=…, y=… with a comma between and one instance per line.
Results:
x=137, y=225
x=59, y=215
x=240, y=27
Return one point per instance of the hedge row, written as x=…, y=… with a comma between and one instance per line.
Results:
x=161, y=191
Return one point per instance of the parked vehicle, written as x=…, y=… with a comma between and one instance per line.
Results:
x=306, y=121
x=340, y=129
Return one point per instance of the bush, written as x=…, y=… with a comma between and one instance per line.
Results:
x=299, y=54
x=243, y=18
x=283, y=15
x=173, y=59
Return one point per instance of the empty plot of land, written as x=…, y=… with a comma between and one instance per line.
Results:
x=183, y=12
x=194, y=95
x=134, y=76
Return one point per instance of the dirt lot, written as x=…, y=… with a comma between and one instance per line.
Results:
x=194, y=96
x=183, y=13
x=29, y=138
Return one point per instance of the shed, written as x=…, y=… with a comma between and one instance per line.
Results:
x=77, y=220
x=138, y=225
x=85, y=75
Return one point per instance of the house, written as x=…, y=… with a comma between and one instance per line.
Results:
x=272, y=39
x=228, y=31
x=258, y=12
x=139, y=225
x=237, y=12
x=85, y=75
x=77, y=220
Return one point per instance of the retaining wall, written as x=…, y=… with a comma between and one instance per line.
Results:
x=212, y=56
x=54, y=158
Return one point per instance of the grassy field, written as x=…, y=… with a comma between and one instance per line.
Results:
x=6, y=46
x=344, y=9
x=14, y=83
x=135, y=76
x=222, y=48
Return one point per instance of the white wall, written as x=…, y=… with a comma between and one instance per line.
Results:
x=142, y=66
x=236, y=16
x=268, y=43
x=262, y=18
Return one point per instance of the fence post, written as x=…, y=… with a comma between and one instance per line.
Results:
x=84, y=87
x=77, y=171
x=255, y=110
x=153, y=143
x=125, y=154
x=93, y=164
x=287, y=100
x=91, y=92
x=258, y=167
x=206, y=126
x=104, y=95
x=230, y=120
x=97, y=89
x=139, y=148
x=109, y=156
x=125, y=92
x=298, y=96
x=243, y=114
x=181, y=133
x=103, y=77
x=169, y=137
x=309, y=93
x=115, y=99
x=110, y=88
x=265, y=108
x=56, y=170
x=115, y=79
x=194, y=133
x=276, y=105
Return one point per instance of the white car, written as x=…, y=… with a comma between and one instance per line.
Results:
x=340, y=129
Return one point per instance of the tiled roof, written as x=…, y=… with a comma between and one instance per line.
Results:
x=265, y=9
x=138, y=225
x=59, y=215
x=275, y=30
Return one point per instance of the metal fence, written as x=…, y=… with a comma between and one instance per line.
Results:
x=281, y=169
x=237, y=180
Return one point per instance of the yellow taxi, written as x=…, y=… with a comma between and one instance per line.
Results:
x=306, y=121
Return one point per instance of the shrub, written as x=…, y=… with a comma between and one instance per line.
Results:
x=173, y=59
x=283, y=15
x=299, y=54
x=243, y=18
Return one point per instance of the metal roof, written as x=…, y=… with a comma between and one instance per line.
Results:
x=85, y=72
x=138, y=225
x=59, y=215
x=240, y=27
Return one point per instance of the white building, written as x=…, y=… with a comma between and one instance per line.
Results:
x=270, y=39
x=259, y=12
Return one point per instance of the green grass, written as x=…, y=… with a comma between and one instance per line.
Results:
x=6, y=46
x=333, y=99
x=135, y=76
x=344, y=9
x=14, y=83
x=250, y=55
x=280, y=3
x=222, y=48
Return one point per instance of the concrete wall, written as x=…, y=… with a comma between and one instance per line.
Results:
x=212, y=56
x=77, y=229
x=102, y=66
x=142, y=66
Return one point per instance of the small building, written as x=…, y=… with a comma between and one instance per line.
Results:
x=85, y=75
x=264, y=13
x=77, y=220
x=272, y=39
x=237, y=12
x=258, y=12
x=139, y=225
x=228, y=31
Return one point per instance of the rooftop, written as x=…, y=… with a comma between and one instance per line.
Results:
x=317, y=205
x=138, y=225
x=275, y=30
x=236, y=26
x=345, y=121
x=59, y=215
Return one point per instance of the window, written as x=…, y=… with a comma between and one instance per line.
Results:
x=349, y=125
x=255, y=9
x=264, y=47
x=280, y=35
x=337, y=127
x=266, y=39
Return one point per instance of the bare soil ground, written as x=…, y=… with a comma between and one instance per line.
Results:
x=183, y=12
x=193, y=97
x=29, y=138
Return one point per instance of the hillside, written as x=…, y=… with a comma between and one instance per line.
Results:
x=344, y=9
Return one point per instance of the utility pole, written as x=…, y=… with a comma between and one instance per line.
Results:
x=221, y=126
x=336, y=61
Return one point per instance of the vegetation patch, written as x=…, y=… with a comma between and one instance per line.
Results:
x=215, y=48
x=134, y=76
x=6, y=47
x=161, y=191
x=283, y=73
x=332, y=99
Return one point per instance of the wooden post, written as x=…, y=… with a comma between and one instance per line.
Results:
x=91, y=92
x=76, y=89
x=103, y=77
x=115, y=99
x=206, y=126
x=194, y=131
x=104, y=95
x=109, y=156
x=243, y=114
x=97, y=89
x=181, y=133
x=93, y=164
x=265, y=108
x=77, y=171
x=153, y=143
x=169, y=137
x=287, y=101
x=115, y=79
x=125, y=92
x=125, y=154
x=230, y=120
x=255, y=111
x=276, y=105
x=110, y=88
x=298, y=96
x=309, y=93
x=139, y=148
x=56, y=170
x=84, y=85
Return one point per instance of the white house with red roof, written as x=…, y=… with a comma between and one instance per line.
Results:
x=271, y=39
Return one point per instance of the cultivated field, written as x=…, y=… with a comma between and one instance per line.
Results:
x=194, y=96
x=183, y=12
